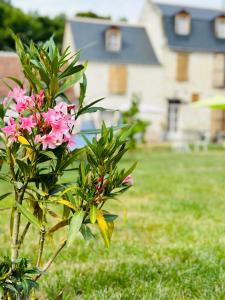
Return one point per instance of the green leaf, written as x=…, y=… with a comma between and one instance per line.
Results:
x=86, y=232
x=1, y=293
x=97, y=108
x=16, y=80
x=110, y=217
x=130, y=170
x=49, y=154
x=82, y=172
x=93, y=214
x=83, y=109
x=5, y=195
x=75, y=225
x=58, y=226
x=25, y=169
x=71, y=82
x=27, y=214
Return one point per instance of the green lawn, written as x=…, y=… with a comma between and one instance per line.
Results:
x=170, y=246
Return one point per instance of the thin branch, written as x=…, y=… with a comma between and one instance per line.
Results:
x=49, y=263
x=24, y=234
x=41, y=245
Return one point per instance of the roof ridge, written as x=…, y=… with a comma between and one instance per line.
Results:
x=183, y=6
x=105, y=22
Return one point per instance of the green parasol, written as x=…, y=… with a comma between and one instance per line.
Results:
x=214, y=102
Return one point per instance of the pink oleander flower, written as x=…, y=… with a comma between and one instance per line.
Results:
x=61, y=107
x=37, y=139
x=129, y=181
x=17, y=93
x=69, y=121
x=49, y=141
x=11, y=128
x=40, y=98
x=59, y=128
x=71, y=107
x=51, y=116
x=27, y=123
x=25, y=103
x=71, y=141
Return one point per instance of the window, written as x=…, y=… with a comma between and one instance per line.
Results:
x=194, y=97
x=113, y=39
x=219, y=71
x=118, y=79
x=182, y=66
x=217, y=121
x=182, y=23
x=220, y=27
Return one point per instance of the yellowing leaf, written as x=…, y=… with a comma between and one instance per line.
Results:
x=67, y=203
x=103, y=227
x=59, y=225
x=25, y=142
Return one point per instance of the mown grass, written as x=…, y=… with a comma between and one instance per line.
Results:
x=171, y=245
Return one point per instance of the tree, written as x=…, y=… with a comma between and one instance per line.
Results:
x=90, y=14
x=27, y=26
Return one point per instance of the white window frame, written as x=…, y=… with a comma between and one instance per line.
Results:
x=220, y=27
x=182, y=23
x=219, y=71
x=113, y=39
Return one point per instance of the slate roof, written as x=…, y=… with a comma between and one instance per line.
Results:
x=202, y=36
x=136, y=47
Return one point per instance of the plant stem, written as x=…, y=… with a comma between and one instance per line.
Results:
x=49, y=263
x=16, y=227
x=41, y=245
x=24, y=234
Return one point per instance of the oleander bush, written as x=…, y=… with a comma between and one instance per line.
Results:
x=38, y=134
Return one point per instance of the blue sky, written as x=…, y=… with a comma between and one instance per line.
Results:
x=116, y=8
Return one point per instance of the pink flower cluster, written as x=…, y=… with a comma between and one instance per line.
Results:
x=22, y=101
x=50, y=128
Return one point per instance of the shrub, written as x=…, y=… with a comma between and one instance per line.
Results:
x=39, y=128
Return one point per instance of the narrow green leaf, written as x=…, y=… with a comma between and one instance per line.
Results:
x=27, y=214
x=110, y=217
x=25, y=169
x=93, y=214
x=5, y=195
x=50, y=154
x=75, y=225
x=86, y=232
x=130, y=170
x=16, y=80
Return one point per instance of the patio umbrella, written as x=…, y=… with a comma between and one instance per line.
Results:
x=214, y=102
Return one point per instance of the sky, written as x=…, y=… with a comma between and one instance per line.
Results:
x=116, y=8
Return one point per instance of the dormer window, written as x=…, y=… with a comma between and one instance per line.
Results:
x=220, y=27
x=182, y=23
x=113, y=39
